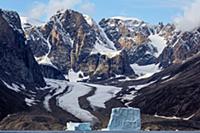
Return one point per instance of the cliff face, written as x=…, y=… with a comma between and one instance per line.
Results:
x=18, y=68
x=16, y=60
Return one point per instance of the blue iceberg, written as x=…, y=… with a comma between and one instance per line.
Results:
x=78, y=126
x=126, y=119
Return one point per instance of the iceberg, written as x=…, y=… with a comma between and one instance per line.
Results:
x=78, y=126
x=126, y=119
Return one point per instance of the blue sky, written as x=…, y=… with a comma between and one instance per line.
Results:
x=152, y=11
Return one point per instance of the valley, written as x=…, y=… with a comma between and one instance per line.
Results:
x=73, y=69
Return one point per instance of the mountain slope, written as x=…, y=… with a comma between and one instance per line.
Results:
x=176, y=94
x=8, y=97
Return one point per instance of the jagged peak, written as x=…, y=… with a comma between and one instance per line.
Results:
x=89, y=20
x=12, y=18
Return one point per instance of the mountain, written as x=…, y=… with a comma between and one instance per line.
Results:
x=150, y=48
x=17, y=61
x=71, y=40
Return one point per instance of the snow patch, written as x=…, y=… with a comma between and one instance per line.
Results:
x=109, y=42
x=145, y=71
x=138, y=87
x=14, y=87
x=30, y=102
x=174, y=117
x=46, y=103
x=99, y=48
x=88, y=19
x=76, y=76
x=159, y=42
x=45, y=60
x=132, y=95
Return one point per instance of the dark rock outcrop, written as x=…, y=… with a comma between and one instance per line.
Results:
x=51, y=72
x=10, y=101
x=101, y=67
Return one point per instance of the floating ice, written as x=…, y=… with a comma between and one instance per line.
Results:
x=78, y=126
x=126, y=119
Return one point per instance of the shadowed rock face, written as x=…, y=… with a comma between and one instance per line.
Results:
x=10, y=101
x=68, y=41
x=174, y=96
x=16, y=59
x=17, y=65
x=51, y=72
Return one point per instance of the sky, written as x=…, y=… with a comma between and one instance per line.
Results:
x=152, y=11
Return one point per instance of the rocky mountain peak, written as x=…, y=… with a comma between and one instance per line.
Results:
x=69, y=40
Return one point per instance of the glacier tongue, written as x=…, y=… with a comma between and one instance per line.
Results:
x=68, y=95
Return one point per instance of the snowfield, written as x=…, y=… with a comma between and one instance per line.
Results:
x=68, y=94
x=69, y=101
